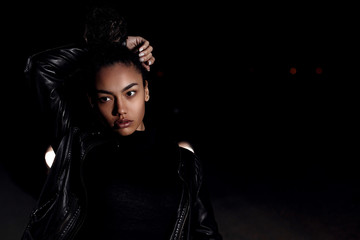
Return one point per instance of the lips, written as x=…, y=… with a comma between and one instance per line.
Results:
x=122, y=123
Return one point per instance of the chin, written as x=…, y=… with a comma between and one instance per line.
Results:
x=124, y=132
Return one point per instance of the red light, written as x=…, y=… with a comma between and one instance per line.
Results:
x=292, y=70
x=160, y=73
x=319, y=70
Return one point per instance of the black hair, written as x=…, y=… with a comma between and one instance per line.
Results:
x=108, y=54
x=105, y=25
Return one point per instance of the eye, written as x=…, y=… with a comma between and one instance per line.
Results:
x=130, y=93
x=104, y=99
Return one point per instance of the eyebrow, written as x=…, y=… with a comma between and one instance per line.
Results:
x=123, y=90
x=128, y=86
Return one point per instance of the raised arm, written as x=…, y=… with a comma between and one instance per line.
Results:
x=52, y=74
x=48, y=74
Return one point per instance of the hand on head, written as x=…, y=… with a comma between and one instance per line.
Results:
x=143, y=48
x=106, y=25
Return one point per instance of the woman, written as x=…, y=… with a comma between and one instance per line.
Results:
x=55, y=93
x=52, y=74
x=120, y=176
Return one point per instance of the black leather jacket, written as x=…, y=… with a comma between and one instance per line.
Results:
x=61, y=208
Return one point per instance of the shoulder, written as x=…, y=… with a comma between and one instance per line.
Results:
x=186, y=145
x=167, y=141
x=188, y=154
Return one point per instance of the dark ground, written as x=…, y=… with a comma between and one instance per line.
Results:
x=279, y=150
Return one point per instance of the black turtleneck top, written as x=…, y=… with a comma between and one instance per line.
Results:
x=133, y=188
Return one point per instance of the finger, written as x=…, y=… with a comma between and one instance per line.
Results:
x=146, y=58
x=147, y=67
x=144, y=46
x=151, y=61
x=146, y=52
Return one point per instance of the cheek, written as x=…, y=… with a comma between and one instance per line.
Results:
x=139, y=109
x=105, y=110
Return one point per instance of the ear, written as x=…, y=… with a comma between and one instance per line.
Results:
x=147, y=93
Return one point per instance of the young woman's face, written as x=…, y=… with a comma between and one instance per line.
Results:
x=121, y=97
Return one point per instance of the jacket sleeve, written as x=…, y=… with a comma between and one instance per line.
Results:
x=47, y=74
x=204, y=225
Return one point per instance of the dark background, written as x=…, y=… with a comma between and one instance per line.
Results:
x=222, y=81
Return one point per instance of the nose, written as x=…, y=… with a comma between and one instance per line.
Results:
x=119, y=108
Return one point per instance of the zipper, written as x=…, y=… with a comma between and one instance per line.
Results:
x=77, y=228
x=185, y=209
x=71, y=224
